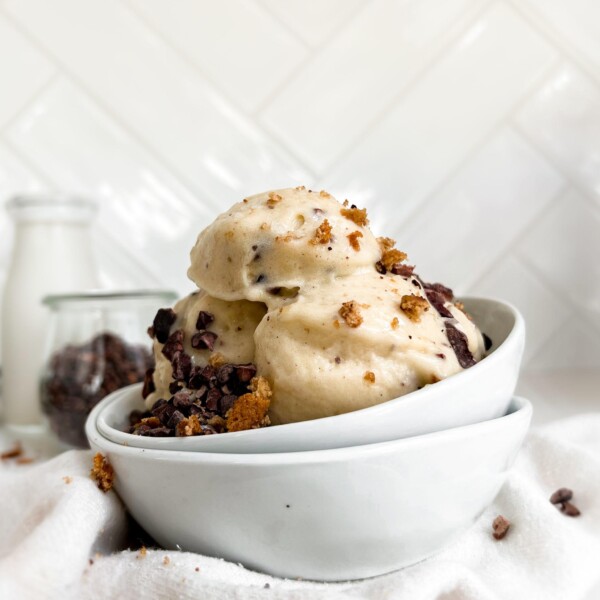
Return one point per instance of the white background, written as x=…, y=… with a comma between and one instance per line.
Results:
x=469, y=128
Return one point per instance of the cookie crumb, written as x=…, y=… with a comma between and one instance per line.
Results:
x=14, y=452
x=369, y=377
x=67, y=479
x=351, y=313
x=356, y=215
x=414, y=306
x=500, y=527
x=250, y=410
x=142, y=553
x=166, y=560
x=216, y=360
x=353, y=239
x=187, y=427
x=102, y=472
x=273, y=200
x=300, y=188
x=322, y=234
x=324, y=194
x=395, y=323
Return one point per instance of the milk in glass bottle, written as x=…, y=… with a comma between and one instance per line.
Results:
x=52, y=253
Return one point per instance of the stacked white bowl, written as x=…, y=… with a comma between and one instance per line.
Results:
x=339, y=498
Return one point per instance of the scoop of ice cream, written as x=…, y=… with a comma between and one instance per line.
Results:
x=220, y=326
x=272, y=244
x=358, y=341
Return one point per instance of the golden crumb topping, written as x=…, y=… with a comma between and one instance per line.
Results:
x=356, y=215
x=369, y=377
x=385, y=243
x=353, y=239
x=350, y=312
x=390, y=256
x=414, y=306
x=324, y=194
x=395, y=323
x=189, y=426
x=322, y=234
x=273, y=199
x=299, y=188
x=288, y=237
x=250, y=410
x=216, y=359
x=102, y=472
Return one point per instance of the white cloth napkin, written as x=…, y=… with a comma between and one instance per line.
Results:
x=53, y=520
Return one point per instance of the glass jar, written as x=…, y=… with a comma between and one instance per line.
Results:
x=52, y=253
x=97, y=343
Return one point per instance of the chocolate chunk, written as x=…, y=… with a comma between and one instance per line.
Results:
x=135, y=416
x=176, y=418
x=459, y=343
x=150, y=332
x=204, y=340
x=148, y=383
x=209, y=374
x=500, y=527
x=204, y=319
x=570, y=509
x=225, y=372
x=226, y=403
x=380, y=267
x=165, y=317
x=403, y=270
x=175, y=386
x=212, y=399
x=173, y=344
x=437, y=300
x=163, y=412
x=158, y=432
x=487, y=341
x=196, y=380
x=245, y=372
x=446, y=292
x=182, y=366
x=561, y=495
x=182, y=399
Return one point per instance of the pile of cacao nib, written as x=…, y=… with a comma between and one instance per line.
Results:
x=79, y=376
x=207, y=392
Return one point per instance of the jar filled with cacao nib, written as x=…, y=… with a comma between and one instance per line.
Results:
x=97, y=343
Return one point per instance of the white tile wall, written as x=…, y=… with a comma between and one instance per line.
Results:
x=470, y=129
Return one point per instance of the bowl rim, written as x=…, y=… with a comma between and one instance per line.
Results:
x=457, y=379
x=520, y=415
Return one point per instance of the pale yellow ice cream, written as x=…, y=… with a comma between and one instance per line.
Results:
x=321, y=366
x=234, y=323
x=281, y=239
x=298, y=285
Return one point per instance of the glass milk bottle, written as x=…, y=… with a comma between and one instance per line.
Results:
x=52, y=253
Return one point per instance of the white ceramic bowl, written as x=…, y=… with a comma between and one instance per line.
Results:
x=476, y=394
x=327, y=515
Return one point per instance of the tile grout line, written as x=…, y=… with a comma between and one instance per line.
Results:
x=107, y=110
x=553, y=36
x=313, y=50
x=498, y=125
x=275, y=17
x=434, y=54
x=515, y=240
x=217, y=88
x=30, y=102
x=556, y=164
x=51, y=185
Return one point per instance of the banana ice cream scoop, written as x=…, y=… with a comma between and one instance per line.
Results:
x=269, y=246
x=309, y=316
x=201, y=327
x=355, y=342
